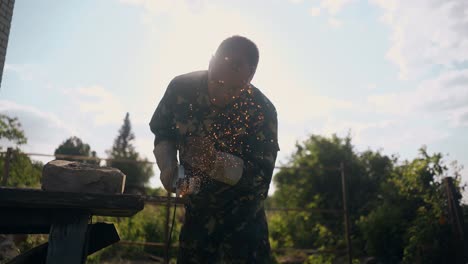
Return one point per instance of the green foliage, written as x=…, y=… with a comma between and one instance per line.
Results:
x=412, y=215
x=146, y=226
x=31, y=241
x=138, y=170
x=24, y=172
x=313, y=180
x=398, y=211
x=10, y=129
x=280, y=235
x=382, y=232
x=74, y=146
x=320, y=259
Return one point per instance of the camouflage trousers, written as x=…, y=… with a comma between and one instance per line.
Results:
x=236, y=234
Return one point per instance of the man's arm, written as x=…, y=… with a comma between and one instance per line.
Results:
x=162, y=122
x=162, y=125
x=259, y=160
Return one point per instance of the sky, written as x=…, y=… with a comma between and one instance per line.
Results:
x=392, y=73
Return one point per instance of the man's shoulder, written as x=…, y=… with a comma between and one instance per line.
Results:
x=189, y=79
x=263, y=101
x=186, y=87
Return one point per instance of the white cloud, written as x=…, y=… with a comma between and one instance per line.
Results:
x=154, y=8
x=25, y=72
x=393, y=103
x=393, y=136
x=334, y=6
x=425, y=34
x=12, y=107
x=333, y=125
x=45, y=131
x=315, y=11
x=446, y=94
x=371, y=86
x=428, y=38
x=334, y=22
x=460, y=117
x=306, y=106
x=101, y=104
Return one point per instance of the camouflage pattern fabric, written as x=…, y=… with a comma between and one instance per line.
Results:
x=223, y=223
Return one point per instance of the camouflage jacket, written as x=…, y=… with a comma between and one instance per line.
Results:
x=246, y=128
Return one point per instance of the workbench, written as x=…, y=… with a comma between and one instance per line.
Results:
x=65, y=216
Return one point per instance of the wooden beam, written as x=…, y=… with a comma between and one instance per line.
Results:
x=101, y=235
x=25, y=221
x=68, y=238
x=95, y=203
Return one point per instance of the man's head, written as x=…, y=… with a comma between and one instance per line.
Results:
x=231, y=69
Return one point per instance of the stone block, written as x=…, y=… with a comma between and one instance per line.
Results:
x=69, y=176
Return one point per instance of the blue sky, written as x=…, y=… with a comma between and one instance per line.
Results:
x=393, y=72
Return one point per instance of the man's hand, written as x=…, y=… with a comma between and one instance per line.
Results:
x=200, y=153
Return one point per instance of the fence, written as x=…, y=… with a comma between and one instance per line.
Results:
x=169, y=201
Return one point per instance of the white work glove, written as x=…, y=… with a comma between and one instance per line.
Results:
x=201, y=154
x=165, y=153
x=228, y=168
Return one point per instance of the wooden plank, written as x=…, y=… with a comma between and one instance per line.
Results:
x=25, y=221
x=97, y=204
x=68, y=238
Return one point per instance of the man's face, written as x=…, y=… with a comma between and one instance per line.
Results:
x=228, y=74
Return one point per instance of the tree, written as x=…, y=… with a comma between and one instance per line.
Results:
x=398, y=210
x=23, y=171
x=412, y=214
x=312, y=180
x=74, y=146
x=124, y=157
x=10, y=129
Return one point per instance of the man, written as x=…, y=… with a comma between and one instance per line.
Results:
x=225, y=130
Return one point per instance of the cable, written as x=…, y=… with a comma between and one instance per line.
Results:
x=168, y=248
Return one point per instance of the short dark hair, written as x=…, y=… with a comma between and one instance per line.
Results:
x=244, y=44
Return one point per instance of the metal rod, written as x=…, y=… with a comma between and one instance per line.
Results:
x=180, y=201
x=346, y=214
x=311, y=210
x=163, y=200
